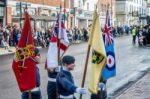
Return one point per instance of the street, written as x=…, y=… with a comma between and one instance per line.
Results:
x=131, y=61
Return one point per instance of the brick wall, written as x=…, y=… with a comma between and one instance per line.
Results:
x=9, y=16
x=103, y=4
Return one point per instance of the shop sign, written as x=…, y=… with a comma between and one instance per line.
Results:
x=45, y=11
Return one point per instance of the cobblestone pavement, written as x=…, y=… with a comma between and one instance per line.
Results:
x=139, y=90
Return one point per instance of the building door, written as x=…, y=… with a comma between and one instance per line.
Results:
x=1, y=22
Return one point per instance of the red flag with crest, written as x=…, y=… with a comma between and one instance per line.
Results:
x=23, y=63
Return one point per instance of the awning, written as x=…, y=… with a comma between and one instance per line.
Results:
x=46, y=18
x=36, y=17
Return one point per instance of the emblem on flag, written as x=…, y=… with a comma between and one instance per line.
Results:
x=23, y=63
x=110, y=60
x=110, y=68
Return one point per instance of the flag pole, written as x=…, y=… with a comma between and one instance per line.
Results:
x=58, y=44
x=64, y=11
x=30, y=94
x=87, y=58
x=21, y=69
x=58, y=39
x=85, y=68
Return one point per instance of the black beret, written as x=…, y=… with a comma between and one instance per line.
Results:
x=68, y=59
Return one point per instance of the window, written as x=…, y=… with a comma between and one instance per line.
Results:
x=87, y=6
x=79, y=4
x=1, y=11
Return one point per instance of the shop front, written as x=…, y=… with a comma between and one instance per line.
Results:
x=84, y=20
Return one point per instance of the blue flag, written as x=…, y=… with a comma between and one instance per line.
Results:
x=110, y=68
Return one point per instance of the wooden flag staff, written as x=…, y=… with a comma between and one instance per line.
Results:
x=85, y=68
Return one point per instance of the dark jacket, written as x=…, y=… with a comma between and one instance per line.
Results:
x=65, y=83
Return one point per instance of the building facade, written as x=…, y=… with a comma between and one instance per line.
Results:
x=131, y=12
x=103, y=6
x=84, y=13
x=2, y=12
x=79, y=13
x=43, y=12
x=85, y=9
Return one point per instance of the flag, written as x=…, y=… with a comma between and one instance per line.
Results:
x=23, y=64
x=110, y=68
x=59, y=32
x=98, y=54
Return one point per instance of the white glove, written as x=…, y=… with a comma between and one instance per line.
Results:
x=57, y=69
x=81, y=90
x=102, y=86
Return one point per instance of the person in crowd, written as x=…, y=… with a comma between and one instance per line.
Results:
x=15, y=35
x=85, y=34
x=134, y=32
x=144, y=36
x=35, y=37
x=1, y=37
x=114, y=31
x=140, y=35
x=18, y=36
x=127, y=29
x=148, y=35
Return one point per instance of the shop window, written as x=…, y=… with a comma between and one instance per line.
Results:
x=87, y=6
x=1, y=11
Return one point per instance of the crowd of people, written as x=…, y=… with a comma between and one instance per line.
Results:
x=142, y=33
x=10, y=35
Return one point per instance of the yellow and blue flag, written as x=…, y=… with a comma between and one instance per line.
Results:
x=110, y=68
x=98, y=54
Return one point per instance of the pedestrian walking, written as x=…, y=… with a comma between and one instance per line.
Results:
x=133, y=32
x=148, y=35
x=140, y=36
x=65, y=82
x=1, y=37
x=35, y=93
